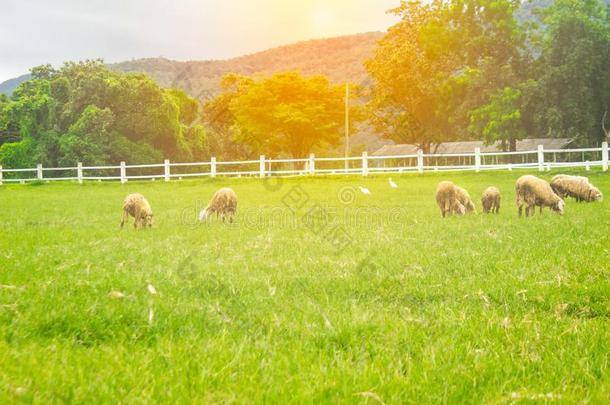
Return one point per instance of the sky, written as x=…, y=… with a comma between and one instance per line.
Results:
x=35, y=32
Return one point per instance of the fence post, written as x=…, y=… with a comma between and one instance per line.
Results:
x=604, y=159
x=123, y=173
x=79, y=172
x=39, y=171
x=365, y=163
x=312, y=164
x=166, y=170
x=540, y=158
x=0, y=175
x=420, y=161
x=477, y=159
x=262, y=166
x=213, y=166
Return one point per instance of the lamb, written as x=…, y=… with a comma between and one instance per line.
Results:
x=533, y=191
x=577, y=187
x=490, y=200
x=446, y=198
x=223, y=204
x=464, y=198
x=138, y=207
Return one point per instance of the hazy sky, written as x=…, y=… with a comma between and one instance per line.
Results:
x=33, y=32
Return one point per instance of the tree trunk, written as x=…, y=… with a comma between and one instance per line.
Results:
x=512, y=145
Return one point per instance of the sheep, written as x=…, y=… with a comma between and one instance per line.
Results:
x=577, y=187
x=223, y=204
x=490, y=200
x=446, y=198
x=533, y=191
x=464, y=198
x=138, y=207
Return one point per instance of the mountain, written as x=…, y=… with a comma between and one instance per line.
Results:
x=341, y=59
x=8, y=86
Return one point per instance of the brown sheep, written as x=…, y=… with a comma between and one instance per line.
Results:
x=577, y=187
x=533, y=191
x=464, y=198
x=223, y=204
x=490, y=200
x=138, y=207
x=446, y=198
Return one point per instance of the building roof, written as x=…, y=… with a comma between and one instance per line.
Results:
x=469, y=146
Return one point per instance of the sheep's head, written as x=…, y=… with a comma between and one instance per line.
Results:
x=558, y=206
x=203, y=215
x=459, y=209
x=148, y=220
x=470, y=207
x=595, y=194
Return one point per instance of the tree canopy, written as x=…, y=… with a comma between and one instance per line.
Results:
x=85, y=112
x=283, y=115
x=470, y=69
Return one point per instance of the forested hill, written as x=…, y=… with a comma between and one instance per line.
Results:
x=341, y=59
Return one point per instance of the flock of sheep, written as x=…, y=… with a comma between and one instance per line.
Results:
x=451, y=199
x=223, y=204
x=531, y=192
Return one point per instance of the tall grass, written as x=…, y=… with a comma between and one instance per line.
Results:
x=317, y=293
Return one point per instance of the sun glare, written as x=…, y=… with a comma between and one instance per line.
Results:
x=321, y=19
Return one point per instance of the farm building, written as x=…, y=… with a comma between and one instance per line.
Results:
x=468, y=147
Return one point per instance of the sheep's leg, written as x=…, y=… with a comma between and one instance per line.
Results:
x=520, y=206
x=125, y=218
x=136, y=217
x=541, y=210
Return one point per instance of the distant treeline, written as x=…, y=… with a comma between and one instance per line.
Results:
x=496, y=70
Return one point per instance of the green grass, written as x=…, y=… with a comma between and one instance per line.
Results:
x=275, y=308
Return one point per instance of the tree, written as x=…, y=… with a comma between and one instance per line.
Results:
x=500, y=119
x=573, y=79
x=288, y=114
x=443, y=59
x=86, y=112
x=219, y=119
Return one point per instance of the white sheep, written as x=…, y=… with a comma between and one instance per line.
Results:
x=223, y=204
x=577, y=187
x=446, y=198
x=138, y=207
x=533, y=191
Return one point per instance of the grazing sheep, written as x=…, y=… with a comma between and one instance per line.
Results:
x=464, y=198
x=533, y=191
x=577, y=187
x=490, y=200
x=138, y=207
x=446, y=198
x=223, y=204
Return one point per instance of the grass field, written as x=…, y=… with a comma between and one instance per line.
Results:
x=317, y=293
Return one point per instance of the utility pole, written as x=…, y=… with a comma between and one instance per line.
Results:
x=346, y=126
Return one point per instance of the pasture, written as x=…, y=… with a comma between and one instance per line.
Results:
x=317, y=293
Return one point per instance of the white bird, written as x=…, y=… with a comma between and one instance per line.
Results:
x=392, y=184
x=364, y=190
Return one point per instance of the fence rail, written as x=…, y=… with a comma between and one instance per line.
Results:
x=359, y=165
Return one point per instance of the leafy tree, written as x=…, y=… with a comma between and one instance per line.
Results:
x=85, y=112
x=500, y=119
x=288, y=114
x=443, y=59
x=285, y=114
x=220, y=121
x=572, y=95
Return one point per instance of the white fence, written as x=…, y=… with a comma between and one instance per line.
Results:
x=542, y=159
